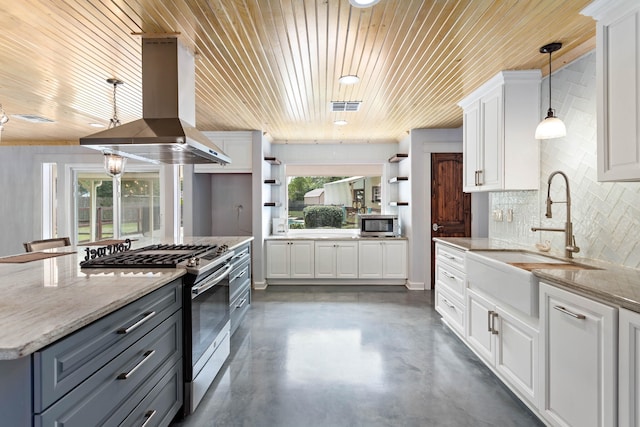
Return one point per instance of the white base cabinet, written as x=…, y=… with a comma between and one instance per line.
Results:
x=336, y=260
x=450, y=286
x=629, y=369
x=290, y=259
x=506, y=342
x=382, y=259
x=578, y=350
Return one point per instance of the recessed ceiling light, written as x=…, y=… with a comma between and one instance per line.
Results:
x=349, y=79
x=96, y=125
x=340, y=122
x=363, y=3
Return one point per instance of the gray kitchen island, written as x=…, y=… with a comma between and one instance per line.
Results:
x=92, y=346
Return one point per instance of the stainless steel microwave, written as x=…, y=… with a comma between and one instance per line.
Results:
x=376, y=225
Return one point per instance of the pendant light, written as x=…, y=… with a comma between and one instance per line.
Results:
x=114, y=163
x=551, y=126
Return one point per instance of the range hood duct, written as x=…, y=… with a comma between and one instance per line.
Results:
x=166, y=133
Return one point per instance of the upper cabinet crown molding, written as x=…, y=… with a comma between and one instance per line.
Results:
x=618, y=88
x=499, y=148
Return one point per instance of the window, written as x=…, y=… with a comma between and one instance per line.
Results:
x=321, y=202
x=107, y=207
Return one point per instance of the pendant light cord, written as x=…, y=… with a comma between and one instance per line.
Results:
x=114, y=121
x=550, y=81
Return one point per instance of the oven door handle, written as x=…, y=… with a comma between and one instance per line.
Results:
x=197, y=290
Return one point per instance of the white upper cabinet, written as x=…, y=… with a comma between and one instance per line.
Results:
x=500, y=119
x=236, y=145
x=618, y=88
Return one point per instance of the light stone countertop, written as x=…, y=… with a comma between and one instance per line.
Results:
x=43, y=301
x=608, y=283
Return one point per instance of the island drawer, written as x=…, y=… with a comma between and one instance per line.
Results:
x=239, y=307
x=68, y=362
x=122, y=381
x=450, y=255
x=159, y=406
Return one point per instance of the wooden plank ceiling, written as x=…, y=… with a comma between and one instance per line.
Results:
x=274, y=65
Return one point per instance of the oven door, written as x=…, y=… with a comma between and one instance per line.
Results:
x=209, y=315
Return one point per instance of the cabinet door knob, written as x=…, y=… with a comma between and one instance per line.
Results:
x=436, y=227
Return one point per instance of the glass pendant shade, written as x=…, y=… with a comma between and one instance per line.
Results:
x=114, y=164
x=551, y=127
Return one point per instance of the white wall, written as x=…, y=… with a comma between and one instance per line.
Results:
x=606, y=216
x=424, y=142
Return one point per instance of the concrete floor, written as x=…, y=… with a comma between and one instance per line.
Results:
x=352, y=356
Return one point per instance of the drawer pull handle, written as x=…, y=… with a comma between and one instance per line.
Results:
x=241, y=303
x=147, y=317
x=448, y=304
x=489, y=317
x=240, y=275
x=148, y=415
x=448, y=275
x=451, y=258
x=569, y=313
x=147, y=356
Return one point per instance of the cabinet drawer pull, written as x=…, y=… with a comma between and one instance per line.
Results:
x=494, y=316
x=147, y=356
x=447, y=303
x=241, y=303
x=242, y=273
x=147, y=317
x=148, y=415
x=569, y=313
x=448, y=275
x=489, y=317
x=450, y=258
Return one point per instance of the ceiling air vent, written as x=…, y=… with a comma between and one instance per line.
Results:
x=348, y=106
x=32, y=118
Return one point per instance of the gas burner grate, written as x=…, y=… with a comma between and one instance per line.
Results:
x=154, y=256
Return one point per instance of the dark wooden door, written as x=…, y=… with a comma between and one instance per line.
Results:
x=450, y=207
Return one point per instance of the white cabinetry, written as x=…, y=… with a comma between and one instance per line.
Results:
x=450, y=286
x=618, y=77
x=336, y=259
x=290, y=259
x=382, y=259
x=629, y=369
x=236, y=145
x=500, y=118
x=507, y=342
x=578, y=351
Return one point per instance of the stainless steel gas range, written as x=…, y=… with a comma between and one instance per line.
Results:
x=205, y=305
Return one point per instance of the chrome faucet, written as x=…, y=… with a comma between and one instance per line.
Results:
x=569, y=239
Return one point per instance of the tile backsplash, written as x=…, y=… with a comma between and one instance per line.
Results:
x=605, y=216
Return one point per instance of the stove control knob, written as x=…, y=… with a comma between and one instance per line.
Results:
x=193, y=261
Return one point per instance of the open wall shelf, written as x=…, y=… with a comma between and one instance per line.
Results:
x=398, y=157
x=272, y=160
x=397, y=179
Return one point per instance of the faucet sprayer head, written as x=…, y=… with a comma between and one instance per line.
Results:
x=549, y=214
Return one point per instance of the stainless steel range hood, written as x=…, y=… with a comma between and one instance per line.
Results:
x=166, y=133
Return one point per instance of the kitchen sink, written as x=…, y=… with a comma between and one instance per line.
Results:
x=506, y=275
